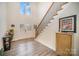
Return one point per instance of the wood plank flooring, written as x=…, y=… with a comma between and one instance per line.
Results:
x=29, y=47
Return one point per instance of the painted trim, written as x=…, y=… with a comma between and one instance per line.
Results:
x=22, y=39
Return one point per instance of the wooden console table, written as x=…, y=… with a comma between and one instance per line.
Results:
x=64, y=43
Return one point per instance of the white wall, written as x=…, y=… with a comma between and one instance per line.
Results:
x=42, y=9
x=3, y=19
x=14, y=17
x=48, y=36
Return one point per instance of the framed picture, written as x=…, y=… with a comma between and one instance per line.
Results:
x=67, y=24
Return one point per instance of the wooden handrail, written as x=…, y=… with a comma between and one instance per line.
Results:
x=45, y=15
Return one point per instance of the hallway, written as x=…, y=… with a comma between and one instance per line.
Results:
x=29, y=47
x=53, y=25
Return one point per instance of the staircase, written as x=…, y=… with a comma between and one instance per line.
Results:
x=52, y=11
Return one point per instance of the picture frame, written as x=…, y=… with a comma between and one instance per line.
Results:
x=67, y=24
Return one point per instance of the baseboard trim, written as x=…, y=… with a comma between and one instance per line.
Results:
x=31, y=38
x=44, y=44
x=48, y=47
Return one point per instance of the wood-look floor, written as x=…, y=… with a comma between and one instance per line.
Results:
x=29, y=47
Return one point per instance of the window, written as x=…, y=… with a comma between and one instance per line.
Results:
x=25, y=8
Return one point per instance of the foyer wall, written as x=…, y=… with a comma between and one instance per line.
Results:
x=10, y=14
x=48, y=36
x=42, y=9
x=14, y=17
x=3, y=19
